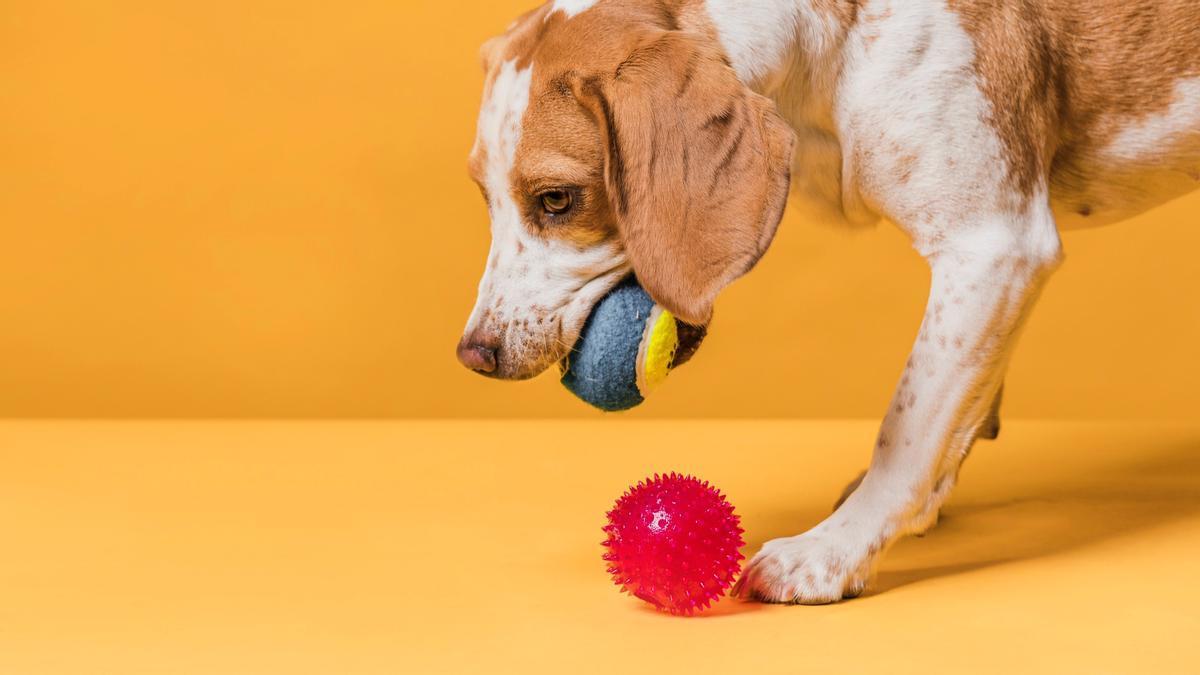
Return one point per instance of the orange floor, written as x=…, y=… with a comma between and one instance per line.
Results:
x=473, y=547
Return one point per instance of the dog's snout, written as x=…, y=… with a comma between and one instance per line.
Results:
x=477, y=356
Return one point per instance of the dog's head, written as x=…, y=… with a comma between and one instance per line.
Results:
x=612, y=139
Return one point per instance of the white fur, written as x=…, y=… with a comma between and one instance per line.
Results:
x=1153, y=136
x=895, y=109
x=499, y=127
x=759, y=38
x=571, y=7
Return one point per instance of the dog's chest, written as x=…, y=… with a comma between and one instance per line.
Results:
x=817, y=180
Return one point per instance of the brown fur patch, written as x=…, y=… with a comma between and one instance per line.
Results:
x=1063, y=76
x=661, y=142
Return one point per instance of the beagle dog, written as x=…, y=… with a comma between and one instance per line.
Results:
x=663, y=137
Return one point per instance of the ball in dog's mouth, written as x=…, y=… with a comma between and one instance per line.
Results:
x=626, y=348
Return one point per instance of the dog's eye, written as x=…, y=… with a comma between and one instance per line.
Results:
x=556, y=201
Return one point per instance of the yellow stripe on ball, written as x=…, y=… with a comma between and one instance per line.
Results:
x=657, y=350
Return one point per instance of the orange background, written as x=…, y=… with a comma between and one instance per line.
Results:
x=261, y=209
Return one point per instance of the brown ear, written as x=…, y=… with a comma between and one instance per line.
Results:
x=697, y=168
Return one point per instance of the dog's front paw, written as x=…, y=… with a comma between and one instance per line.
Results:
x=811, y=569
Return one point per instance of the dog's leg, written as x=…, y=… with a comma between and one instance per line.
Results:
x=849, y=490
x=989, y=430
x=984, y=283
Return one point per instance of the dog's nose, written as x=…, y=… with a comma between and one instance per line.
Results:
x=476, y=356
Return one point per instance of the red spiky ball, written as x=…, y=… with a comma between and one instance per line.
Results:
x=673, y=541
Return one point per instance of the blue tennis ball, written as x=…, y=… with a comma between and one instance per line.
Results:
x=626, y=348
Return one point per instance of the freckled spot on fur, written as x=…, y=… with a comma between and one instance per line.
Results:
x=882, y=15
x=958, y=300
x=905, y=166
x=1085, y=210
x=834, y=569
x=912, y=399
x=918, y=51
x=876, y=546
x=958, y=342
x=520, y=248
x=942, y=341
x=883, y=441
x=873, y=32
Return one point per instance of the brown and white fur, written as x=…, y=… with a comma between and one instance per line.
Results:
x=675, y=130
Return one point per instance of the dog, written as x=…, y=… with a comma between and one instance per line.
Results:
x=662, y=138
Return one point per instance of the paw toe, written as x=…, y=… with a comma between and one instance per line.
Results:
x=801, y=571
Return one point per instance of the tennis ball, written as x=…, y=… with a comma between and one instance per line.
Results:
x=626, y=348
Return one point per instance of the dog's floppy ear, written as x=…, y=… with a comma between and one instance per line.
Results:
x=697, y=168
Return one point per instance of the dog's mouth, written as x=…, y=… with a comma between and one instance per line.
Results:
x=690, y=338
